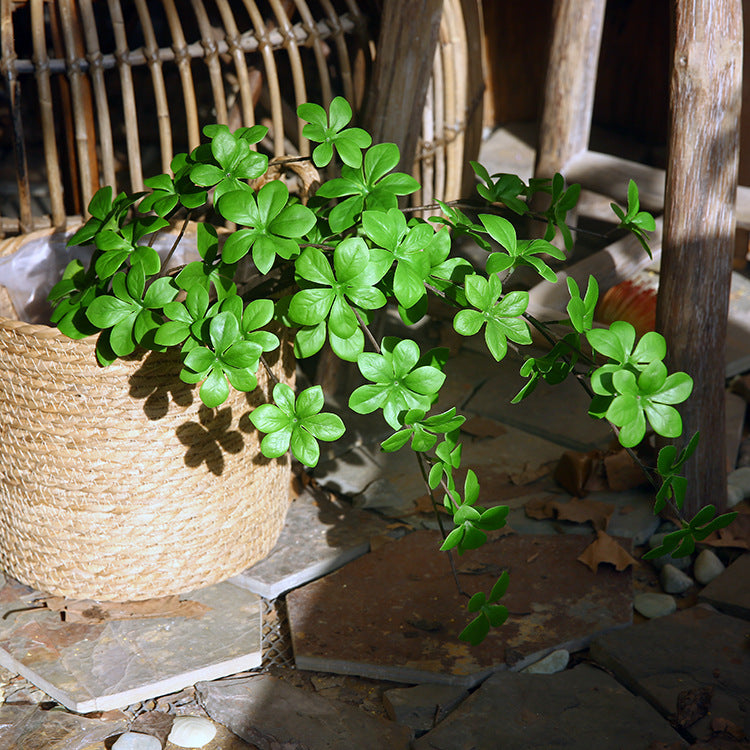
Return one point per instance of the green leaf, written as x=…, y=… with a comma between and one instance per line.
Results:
x=476, y=631
x=499, y=589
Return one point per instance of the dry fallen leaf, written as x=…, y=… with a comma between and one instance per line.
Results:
x=576, y=510
x=90, y=611
x=605, y=549
x=622, y=472
x=574, y=469
x=482, y=427
x=580, y=511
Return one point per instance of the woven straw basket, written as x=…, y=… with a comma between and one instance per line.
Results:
x=117, y=483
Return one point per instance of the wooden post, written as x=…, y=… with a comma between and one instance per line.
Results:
x=406, y=50
x=571, y=80
x=701, y=187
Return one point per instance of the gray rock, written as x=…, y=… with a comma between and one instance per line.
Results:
x=578, y=708
x=654, y=605
x=673, y=580
x=730, y=592
x=550, y=664
x=735, y=495
x=273, y=715
x=707, y=567
x=740, y=478
x=681, y=563
x=421, y=707
x=136, y=741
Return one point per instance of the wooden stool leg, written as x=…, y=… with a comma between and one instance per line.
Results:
x=571, y=79
x=706, y=94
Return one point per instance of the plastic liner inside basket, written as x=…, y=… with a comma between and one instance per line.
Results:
x=30, y=272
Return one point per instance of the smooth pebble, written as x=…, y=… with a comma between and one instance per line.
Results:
x=735, y=495
x=550, y=664
x=136, y=741
x=191, y=731
x=740, y=478
x=673, y=580
x=654, y=605
x=707, y=567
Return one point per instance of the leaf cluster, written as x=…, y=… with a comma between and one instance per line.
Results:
x=327, y=267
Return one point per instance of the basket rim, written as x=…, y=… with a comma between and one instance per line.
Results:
x=10, y=245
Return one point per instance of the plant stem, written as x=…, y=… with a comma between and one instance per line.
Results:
x=454, y=572
x=171, y=252
x=269, y=371
x=367, y=332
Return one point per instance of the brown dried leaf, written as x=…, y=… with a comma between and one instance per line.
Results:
x=622, y=472
x=529, y=472
x=576, y=510
x=693, y=704
x=606, y=550
x=573, y=471
x=482, y=427
x=721, y=725
x=539, y=508
x=581, y=511
x=91, y=612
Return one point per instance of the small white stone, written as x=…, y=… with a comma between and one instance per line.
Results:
x=191, y=731
x=136, y=741
x=707, y=567
x=673, y=580
x=550, y=664
x=654, y=605
x=740, y=478
x=735, y=495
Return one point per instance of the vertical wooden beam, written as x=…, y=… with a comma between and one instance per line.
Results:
x=701, y=187
x=405, y=52
x=565, y=123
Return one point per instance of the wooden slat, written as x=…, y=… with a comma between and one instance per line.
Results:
x=619, y=261
x=609, y=175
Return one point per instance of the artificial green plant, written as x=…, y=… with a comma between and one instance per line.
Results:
x=346, y=254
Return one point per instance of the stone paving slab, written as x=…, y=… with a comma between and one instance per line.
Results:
x=25, y=727
x=273, y=715
x=392, y=483
x=579, y=708
x=671, y=659
x=556, y=413
x=320, y=535
x=395, y=614
x=97, y=667
x=730, y=592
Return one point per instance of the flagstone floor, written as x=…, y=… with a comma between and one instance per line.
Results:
x=346, y=635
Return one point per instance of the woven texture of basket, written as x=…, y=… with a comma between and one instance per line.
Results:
x=104, y=93
x=117, y=483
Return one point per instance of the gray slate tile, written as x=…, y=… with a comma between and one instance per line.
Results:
x=32, y=728
x=422, y=706
x=692, y=649
x=395, y=613
x=320, y=535
x=730, y=592
x=97, y=667
x=578, y=708
x=273, y=715
x=557, y=413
